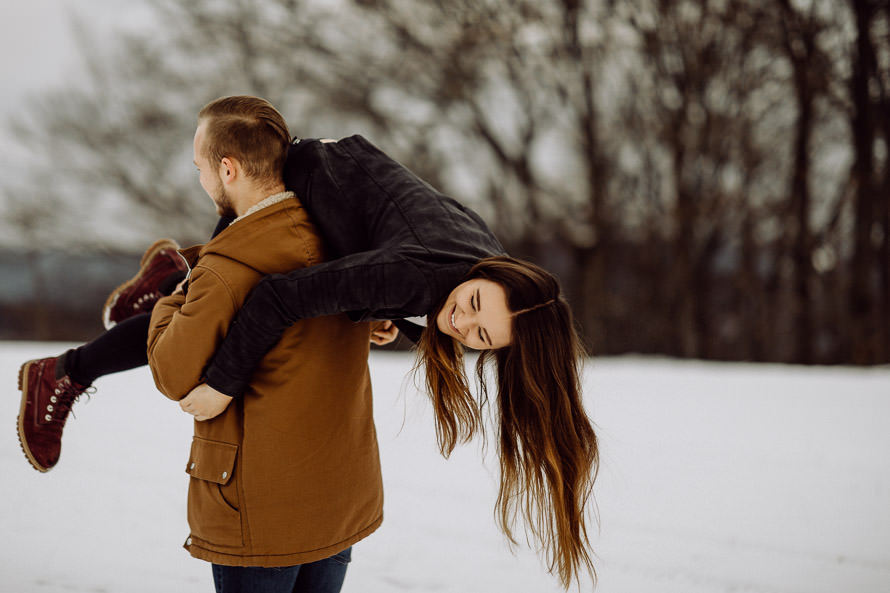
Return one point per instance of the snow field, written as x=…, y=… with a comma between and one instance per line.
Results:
x=714, y=478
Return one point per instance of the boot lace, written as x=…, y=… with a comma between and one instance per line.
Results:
x=63, y=398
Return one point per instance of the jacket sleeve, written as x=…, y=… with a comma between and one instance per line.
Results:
x=412, y=331
x=375, y=284
x=185, y=331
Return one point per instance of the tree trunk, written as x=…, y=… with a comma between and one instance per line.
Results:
x=861, y=300
x=884, y=206
x=595, y=263
x=799, y=45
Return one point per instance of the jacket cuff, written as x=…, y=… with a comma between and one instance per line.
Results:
x=224, y=383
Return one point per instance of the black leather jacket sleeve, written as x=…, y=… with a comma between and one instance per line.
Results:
x=367, y=285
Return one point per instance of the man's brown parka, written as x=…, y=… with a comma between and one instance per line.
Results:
x=290, y=472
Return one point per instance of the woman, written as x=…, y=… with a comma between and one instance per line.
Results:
x=399, y=250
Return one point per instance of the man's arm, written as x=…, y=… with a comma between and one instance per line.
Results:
x=378, y=282
x=185, y=331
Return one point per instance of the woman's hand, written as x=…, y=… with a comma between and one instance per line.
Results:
x=383, y=332
x=204, y=402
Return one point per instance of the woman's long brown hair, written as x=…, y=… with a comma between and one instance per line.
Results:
x=547, y=447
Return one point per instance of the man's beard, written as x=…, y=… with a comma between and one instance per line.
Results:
x=223, y=202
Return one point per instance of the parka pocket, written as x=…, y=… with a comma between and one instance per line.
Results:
x=213, y=501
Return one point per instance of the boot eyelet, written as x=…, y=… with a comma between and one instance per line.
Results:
x=49, y=407
x=53, y=398
x=47, y=417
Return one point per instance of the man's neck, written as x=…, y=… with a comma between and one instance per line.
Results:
x=265, y=202
x=255, y=196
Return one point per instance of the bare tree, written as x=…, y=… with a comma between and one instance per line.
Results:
x=870, y=230
x=707, y=176
x=707, y=79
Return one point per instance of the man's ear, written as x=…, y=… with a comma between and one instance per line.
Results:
x=229, y=169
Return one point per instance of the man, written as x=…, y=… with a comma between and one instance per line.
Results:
x=287, y=478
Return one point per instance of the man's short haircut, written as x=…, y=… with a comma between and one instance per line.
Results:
x=250, y=130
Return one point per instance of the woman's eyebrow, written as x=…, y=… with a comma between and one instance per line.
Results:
x=486, y=337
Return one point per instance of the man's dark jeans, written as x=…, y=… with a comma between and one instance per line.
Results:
x=323, y=576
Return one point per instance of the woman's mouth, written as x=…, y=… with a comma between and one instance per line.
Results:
x=451, y=321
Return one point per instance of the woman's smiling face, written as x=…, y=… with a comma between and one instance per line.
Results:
x=476, y=315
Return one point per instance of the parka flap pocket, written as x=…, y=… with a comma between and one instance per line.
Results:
x=212, y=461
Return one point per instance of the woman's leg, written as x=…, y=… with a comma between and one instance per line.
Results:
x=121, y=348
x=50, y=386
x=161, y=265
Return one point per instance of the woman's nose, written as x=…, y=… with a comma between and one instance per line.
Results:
x=463, y=322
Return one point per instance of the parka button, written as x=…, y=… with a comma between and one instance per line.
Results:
x=188, y=542
x=225, y=475
x=192, y=466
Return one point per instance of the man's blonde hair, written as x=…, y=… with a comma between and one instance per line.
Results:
x=249, y=130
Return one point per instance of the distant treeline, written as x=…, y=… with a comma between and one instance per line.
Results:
x=58, y=295
x=709, y=178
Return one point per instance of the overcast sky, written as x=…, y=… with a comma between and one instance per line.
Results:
x=36, y=42
x=37, y=47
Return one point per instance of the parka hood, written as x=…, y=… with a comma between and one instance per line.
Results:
x=248, y=238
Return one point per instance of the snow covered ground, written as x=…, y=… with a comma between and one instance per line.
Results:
x=715, y=478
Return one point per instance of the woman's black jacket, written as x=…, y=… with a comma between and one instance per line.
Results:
x=395, y=248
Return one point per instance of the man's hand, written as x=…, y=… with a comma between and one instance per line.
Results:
x=384, y=332
x=204, y=402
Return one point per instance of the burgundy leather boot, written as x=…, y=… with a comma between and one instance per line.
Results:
x=47, y=396
x=140, y=293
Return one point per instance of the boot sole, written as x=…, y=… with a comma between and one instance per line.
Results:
x=23, y=387
x=149, y=254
